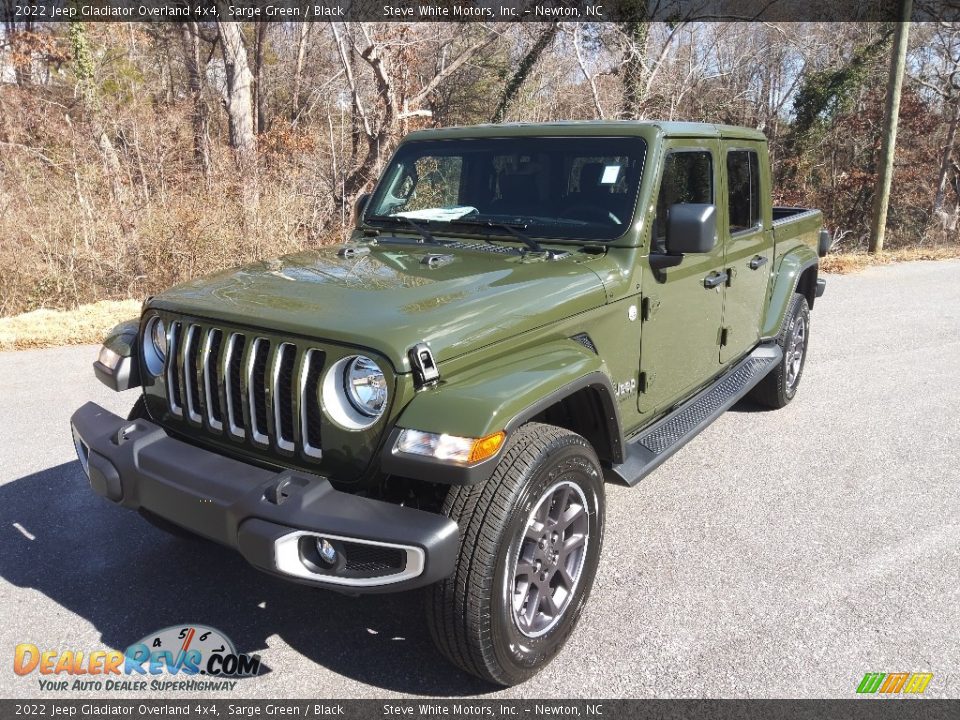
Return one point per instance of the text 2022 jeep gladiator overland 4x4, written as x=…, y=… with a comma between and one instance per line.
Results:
x=521, y=312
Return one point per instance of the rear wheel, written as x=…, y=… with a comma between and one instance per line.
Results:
x=530, y=541
x=779, y=387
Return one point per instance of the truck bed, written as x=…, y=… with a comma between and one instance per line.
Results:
x=784, y=213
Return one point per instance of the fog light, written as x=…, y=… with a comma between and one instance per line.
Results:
x=327, y=552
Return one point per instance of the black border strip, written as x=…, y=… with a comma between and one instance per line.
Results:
x=40, y=11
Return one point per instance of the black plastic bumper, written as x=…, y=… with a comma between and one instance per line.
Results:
x=134, y=463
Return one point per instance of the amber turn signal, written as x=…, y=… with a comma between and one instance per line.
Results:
x=487, y=446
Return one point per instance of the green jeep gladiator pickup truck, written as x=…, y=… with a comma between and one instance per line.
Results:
x=521, y=313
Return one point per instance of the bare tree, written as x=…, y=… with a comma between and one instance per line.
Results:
x=939, y=71
x=239, y=98
x=190, y=40
x=633, y=72
x=587, y=75
x=302, y=30
x=545, y=36
x=379, y=118
x=260, y=91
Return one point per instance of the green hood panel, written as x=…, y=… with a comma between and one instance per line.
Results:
x=389, y=300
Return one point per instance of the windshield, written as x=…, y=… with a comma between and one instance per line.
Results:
x=581, y=188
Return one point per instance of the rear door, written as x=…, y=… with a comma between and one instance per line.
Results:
x=747, y=233
x=680, y=313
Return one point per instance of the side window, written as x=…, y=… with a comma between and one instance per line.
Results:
x=687, y=178
x=743, y=190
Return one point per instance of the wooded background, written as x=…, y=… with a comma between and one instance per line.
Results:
x=133, y=156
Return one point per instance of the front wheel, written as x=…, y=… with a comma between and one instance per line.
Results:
x=530, y=540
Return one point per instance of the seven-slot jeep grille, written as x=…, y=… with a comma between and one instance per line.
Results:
x=251, y=388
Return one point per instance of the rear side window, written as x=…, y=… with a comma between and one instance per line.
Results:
x=743, y=190
x=687, y=178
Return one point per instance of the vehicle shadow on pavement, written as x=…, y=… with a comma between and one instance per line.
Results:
x=110, y=567
x=746, y=405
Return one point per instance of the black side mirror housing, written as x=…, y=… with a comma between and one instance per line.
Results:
x=691, y=228
x=359, y=206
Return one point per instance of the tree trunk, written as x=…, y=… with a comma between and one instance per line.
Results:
x=356, y=125
x=946, y=157
x=190, y=37
x=258, y=74
x=526, y=65
x=111, y=163
x=239, y=97
x=888, y=145
x=633, y=70
x=302, y=30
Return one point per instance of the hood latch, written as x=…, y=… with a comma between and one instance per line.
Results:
x=425, y=370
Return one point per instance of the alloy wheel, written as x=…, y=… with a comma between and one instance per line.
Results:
x=795, y=350
x=549, y=562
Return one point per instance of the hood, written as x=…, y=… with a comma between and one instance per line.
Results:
x=389, y=299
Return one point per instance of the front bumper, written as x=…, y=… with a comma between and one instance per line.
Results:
x=272, y=519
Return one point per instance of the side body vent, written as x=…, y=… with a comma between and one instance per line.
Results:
x=585, y=340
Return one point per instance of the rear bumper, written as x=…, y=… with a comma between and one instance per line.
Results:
x=272, y=519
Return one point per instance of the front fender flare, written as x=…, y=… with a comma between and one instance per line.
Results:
x=122, y=340
x=500, y=396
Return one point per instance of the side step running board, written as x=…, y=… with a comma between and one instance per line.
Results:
x=653, y=445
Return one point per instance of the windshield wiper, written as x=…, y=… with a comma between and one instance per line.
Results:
x=403, y=219
x=512, y=228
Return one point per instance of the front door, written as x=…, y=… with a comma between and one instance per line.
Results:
x=748, y=245
x=682, y=304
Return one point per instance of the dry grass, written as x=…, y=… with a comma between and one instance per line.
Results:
x=129, y=214
x=52, y=328
x=846, y=263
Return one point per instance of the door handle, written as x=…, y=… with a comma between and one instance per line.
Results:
x=714, y=279
x=758, y=261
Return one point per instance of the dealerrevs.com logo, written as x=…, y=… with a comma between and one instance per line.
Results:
x=188, y=658
x=894, y=683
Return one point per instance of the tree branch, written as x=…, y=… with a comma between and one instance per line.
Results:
x=451, y=68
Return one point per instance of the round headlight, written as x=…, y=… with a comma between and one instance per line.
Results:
x=154, y=346
x=159, y=337
x=365, y=385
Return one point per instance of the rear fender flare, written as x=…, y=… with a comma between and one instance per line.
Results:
x=791, y=268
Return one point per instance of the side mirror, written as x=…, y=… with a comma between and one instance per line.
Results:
x=691, y=228
x=359, y=206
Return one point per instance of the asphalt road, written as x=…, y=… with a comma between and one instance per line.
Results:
x=780, y=554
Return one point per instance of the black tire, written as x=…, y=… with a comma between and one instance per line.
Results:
x=139, y=412
x=779, y=387
x=471, y=614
